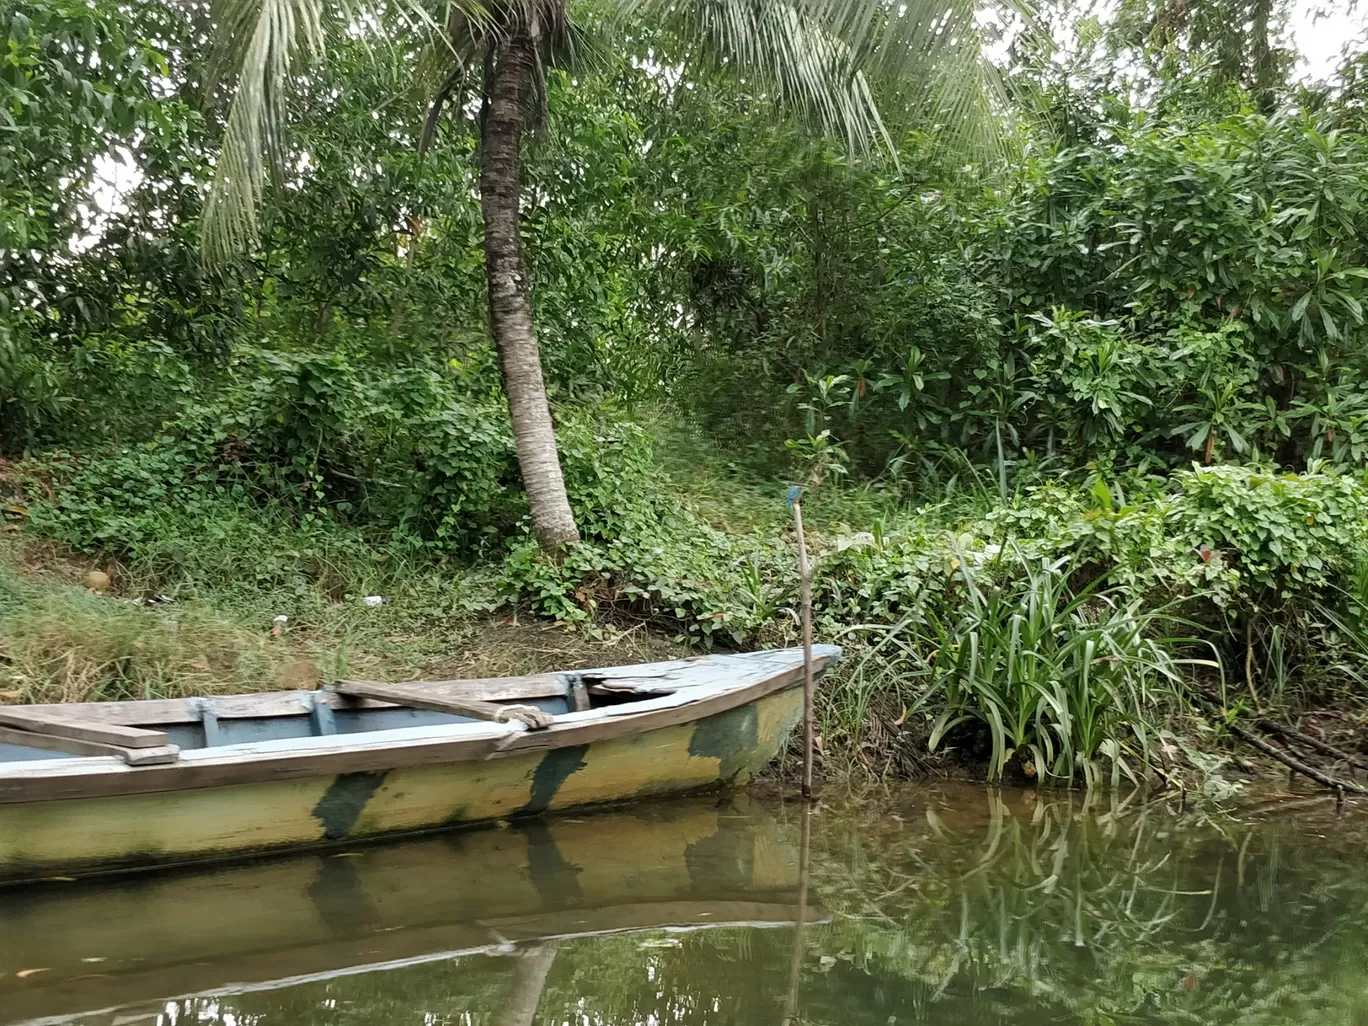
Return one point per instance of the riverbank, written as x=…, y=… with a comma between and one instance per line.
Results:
x=1058, y=634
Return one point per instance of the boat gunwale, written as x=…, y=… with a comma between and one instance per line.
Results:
x=295, y=758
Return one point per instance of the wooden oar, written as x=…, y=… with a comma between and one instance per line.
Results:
x=416, y=698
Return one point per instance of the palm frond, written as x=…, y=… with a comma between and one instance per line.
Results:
x=261, y=38
x=782, y=47
x=819, y=57
x=256, y=42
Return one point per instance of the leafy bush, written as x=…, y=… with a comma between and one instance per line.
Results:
x=1233, y=535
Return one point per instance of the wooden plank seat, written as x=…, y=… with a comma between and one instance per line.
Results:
x=75, y=727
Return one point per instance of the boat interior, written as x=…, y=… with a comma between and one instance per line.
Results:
x=143, y=732
x=156, y=731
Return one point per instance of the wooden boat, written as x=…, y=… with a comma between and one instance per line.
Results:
x=119, y=950
x=105, y=786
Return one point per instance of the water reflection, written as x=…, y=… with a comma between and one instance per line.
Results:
x=937, y=906
x=1027, y=910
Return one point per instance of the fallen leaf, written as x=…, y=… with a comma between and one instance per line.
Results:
x=24, y=974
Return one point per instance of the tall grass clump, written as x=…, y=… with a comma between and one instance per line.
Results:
x=1071, y=683
x=64, y=644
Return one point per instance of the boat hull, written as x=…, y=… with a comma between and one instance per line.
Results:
x=97, y=834
x=120, y=950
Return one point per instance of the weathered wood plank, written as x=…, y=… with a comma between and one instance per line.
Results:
x=498, y=689
x=75, y=746
x=67, y=726
x=173, y=711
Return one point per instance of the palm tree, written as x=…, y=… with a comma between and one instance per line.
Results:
x=811, y=56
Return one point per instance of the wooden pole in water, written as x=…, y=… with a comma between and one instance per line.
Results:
x=796, y=965
x=805, y=603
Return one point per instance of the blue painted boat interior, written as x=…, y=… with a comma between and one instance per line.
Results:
x=211, y=732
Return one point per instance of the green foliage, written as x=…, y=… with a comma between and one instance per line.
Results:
x=1285, y=532
x=1237, y=536
x=1135, y=355
x=1071, y=684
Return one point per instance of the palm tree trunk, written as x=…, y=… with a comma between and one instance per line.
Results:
x=510, y=301
x=529, y=980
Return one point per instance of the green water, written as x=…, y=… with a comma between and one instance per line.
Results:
x=942, y=905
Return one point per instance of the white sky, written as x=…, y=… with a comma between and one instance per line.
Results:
x=1320, y=41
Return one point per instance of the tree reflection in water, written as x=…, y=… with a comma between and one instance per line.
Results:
x=943, y=906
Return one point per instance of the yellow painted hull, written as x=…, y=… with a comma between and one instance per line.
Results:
x=46, y=838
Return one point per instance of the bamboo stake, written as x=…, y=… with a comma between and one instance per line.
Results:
x=805, y=602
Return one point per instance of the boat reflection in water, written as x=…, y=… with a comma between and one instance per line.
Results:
x=477, y=917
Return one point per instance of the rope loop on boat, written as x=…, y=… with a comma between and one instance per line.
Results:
x=528, y=715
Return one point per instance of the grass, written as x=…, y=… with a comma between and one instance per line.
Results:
x=60, y=642
x=1066, y=683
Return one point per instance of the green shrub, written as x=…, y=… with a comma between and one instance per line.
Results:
x=1235, y=536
